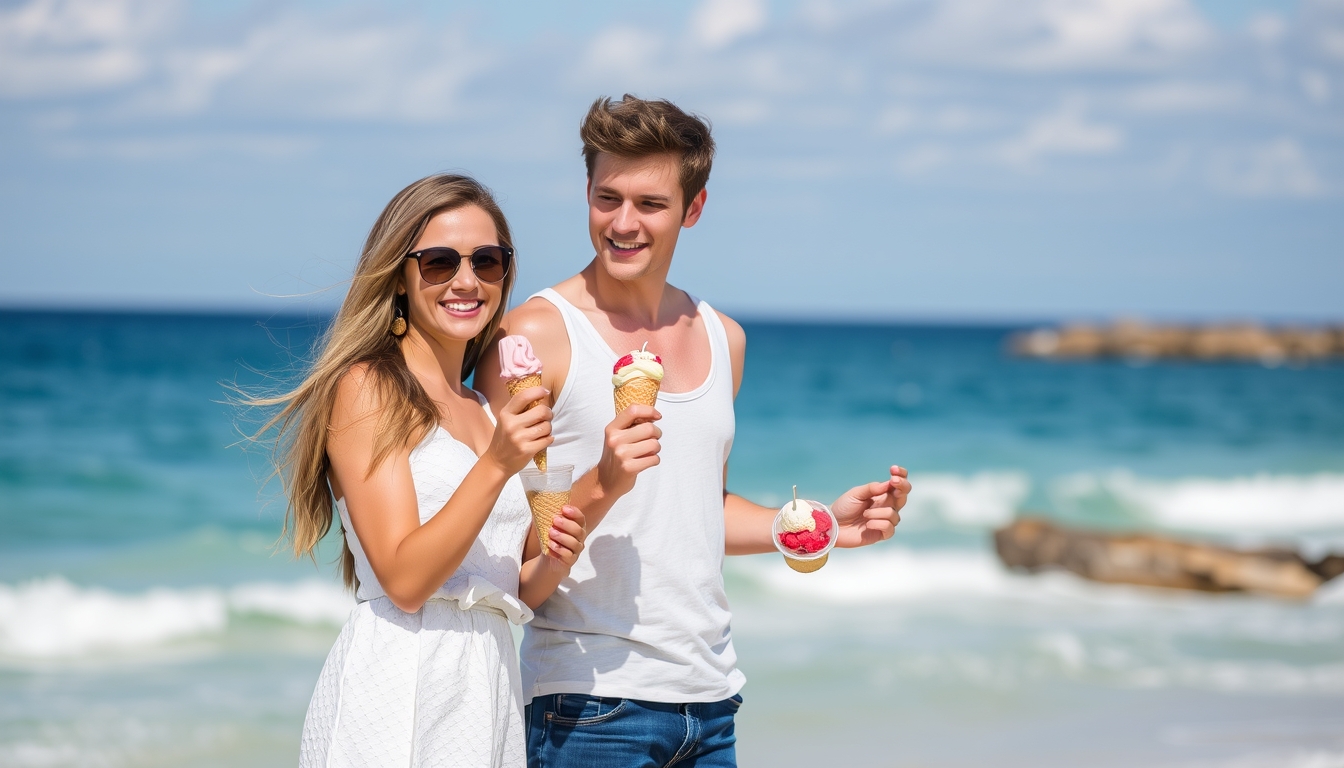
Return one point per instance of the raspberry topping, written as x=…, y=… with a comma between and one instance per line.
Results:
x=812, y=541
x=823, y=521
x=630, y=359
x=805, y=542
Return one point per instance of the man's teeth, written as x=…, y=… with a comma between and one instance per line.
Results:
x=626, y=246
x=461, y=306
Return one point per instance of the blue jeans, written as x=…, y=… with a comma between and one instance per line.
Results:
x=570, y=730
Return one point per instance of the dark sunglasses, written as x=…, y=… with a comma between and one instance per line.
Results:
x=490, y=263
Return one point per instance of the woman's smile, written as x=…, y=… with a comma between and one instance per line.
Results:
x=464, y=308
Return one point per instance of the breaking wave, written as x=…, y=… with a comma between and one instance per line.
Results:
x=892, y=574
x=985, y=499
x=1263, y=503
x=52, y=618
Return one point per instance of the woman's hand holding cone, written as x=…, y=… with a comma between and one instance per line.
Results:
x=523, y=430
x=567, y=536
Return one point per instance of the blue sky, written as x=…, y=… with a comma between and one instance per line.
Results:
x=916, y=159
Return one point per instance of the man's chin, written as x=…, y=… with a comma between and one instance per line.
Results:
x=625, y=269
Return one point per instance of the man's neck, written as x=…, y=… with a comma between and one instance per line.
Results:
x=645, y=303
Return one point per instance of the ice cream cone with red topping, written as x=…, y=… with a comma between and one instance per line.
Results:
x=636, y=379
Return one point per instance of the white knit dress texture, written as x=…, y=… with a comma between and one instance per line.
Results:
x=439, y=687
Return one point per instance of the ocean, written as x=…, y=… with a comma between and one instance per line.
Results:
x=147, y=619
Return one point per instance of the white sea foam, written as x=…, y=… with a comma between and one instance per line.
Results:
x=984, y=499
x=1269, y=504
x=304, y=602
x=52, y=618
x=897, y=574
x=891, y=573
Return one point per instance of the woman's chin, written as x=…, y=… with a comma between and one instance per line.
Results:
x=463, y=328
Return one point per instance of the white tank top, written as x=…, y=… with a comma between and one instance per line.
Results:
x=643, y=614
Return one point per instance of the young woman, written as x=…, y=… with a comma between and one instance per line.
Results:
x=437, y=532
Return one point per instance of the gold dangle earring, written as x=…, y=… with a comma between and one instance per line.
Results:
x=399, y=321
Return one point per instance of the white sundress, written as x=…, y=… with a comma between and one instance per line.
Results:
x=438, y=687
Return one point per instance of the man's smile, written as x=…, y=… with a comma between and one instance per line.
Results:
x=625, y=247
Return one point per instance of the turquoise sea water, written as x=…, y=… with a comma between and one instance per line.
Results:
x=145, y=621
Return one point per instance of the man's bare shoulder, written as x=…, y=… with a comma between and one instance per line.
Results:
x=537, y=319
x=543, y=325
x=575, y=290
x=737, y=338
x=737, y=347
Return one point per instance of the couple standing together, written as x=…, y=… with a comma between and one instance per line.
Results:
x=627, y=656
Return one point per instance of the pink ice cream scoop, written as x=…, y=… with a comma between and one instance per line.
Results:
x=516, y=359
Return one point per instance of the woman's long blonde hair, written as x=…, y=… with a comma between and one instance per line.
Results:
x=360, y=334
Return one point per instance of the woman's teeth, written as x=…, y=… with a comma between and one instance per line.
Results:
x=462, y=306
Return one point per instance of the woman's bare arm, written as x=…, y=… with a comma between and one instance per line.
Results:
x=412, y=560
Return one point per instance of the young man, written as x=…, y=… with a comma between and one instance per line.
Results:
x=631, y=662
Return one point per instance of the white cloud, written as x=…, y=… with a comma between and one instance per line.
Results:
x=958, y=81
x=345, y=69
x=1061, y=35
x=1316, y=85
x=297, y=64
x=54, y=47
x=1324, y=19
x=1277, y=169
x=922, y=159
x=717, y=23
x=1268, y=28
x=624, y=53
x=186, y=146
x=1182, y=96
x=1063, y=132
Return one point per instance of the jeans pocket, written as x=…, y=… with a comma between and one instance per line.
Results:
x=576, y=710
x=733, y=702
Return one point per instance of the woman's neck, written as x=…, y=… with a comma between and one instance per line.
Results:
x=437, y=363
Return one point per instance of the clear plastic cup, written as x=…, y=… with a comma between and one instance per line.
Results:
x=547, y=492
x=798, y=559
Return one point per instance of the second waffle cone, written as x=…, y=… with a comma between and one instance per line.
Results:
x=545, y=506
x=642, y=390
x=518, y=385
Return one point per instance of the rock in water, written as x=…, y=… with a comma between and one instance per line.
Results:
x=1035, y=544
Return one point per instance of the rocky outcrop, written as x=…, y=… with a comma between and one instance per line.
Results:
x=1132, y=339
x=1034, y=544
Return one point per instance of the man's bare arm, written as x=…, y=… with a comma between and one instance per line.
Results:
x=867, y=513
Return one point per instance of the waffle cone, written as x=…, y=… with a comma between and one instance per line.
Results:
x=643, y=391
x=807, y=566
x=518, y=385
x=545, y=506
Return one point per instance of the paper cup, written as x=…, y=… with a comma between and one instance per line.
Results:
x=547, y=492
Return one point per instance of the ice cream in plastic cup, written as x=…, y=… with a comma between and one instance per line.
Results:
x=803, y=561
x=547, y=491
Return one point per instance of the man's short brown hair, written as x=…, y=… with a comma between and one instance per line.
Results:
x=634, y=128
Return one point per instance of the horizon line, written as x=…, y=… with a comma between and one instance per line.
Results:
x=995, y=319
